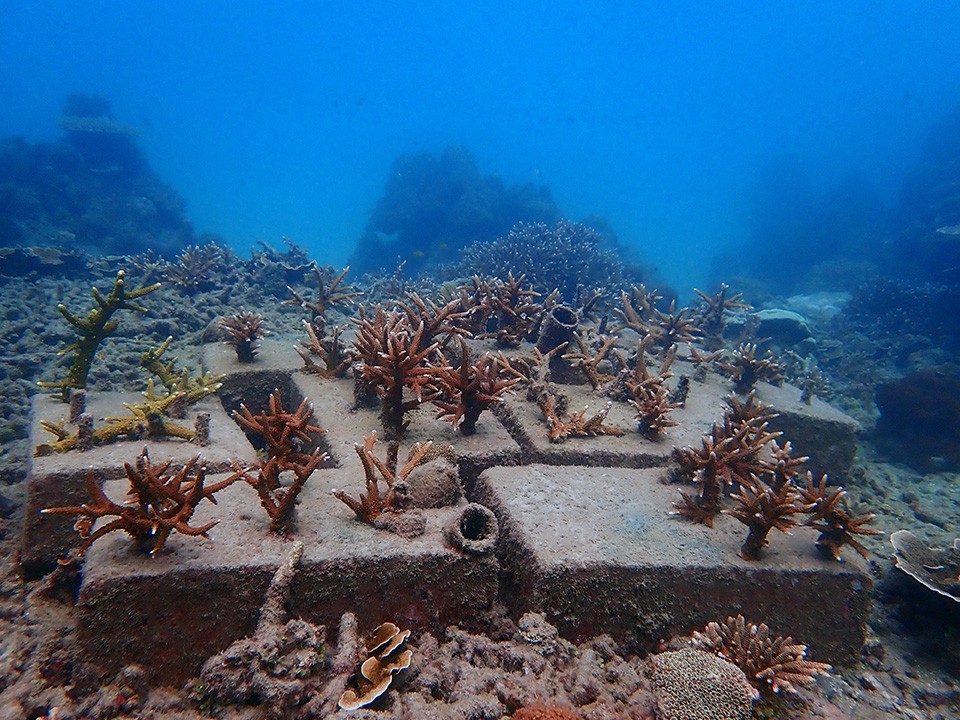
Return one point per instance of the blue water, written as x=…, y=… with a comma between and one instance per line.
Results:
x=282, y=118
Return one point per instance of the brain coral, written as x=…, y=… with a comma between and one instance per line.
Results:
x=692, y=684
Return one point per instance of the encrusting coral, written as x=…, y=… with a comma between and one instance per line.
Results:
x=96, y=326
x=387, y=656
x=161, y=502
x=771, y=664
x=693, y=684
x=244, y=332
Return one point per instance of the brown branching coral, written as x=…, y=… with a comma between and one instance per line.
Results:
x=284, y=433
x=762, y=508
x=440, y=322
x=637, y=310
x=330, y=350
x=387, y=656
x=93, y=329
x=244, y=332
x=713, y=314
x=515, y=310
x=394, y=357
x=277, y=499
x=648, y=394
x=770, y=664
x=589, y=362
x=329, y=293
x=673, y=327
x=372, y=504
x=471, y=389
x=190, y=272
x=577, y=424
x=161, y=502
x=829, y=515
x=746, y=369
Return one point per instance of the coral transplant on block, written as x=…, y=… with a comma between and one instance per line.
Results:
x=510, y=489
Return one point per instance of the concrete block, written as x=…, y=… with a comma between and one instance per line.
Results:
x=597, y=550
x=58, y=479
x=171, y=612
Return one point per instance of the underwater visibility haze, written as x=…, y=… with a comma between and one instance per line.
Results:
x=487, y=360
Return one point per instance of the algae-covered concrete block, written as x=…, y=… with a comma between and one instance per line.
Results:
x=597, y=550
x=171, y=612
x=58, y=479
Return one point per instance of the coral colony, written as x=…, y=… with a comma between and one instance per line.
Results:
x=467, y=351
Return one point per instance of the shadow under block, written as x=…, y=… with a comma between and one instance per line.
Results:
x=59, y=479
x=597, y=550
x=199, y=595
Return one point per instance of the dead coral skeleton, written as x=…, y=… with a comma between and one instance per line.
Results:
x=387, y=656
x=161, y=502
x=770, y=663
x=277, y=667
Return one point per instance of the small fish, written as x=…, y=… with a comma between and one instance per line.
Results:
x=949, y=230
x=418, y=253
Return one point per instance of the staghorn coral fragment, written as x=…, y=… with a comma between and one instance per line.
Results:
x=770, y=664
x=278, y=500
x=829, y=515
x=285, y=433
x=146, y=419
x=936, y=569
x=372, y=504
x=96, y=326
x=161, y=502
x=746, y=369
x=329, y=349
x=763, y=508
x=577, y=424
x=712, y=314
x=244, y=332
x=329, y=293
x=468, y=391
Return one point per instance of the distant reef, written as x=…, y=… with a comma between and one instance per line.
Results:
x=432, y=207
x=91, y=189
